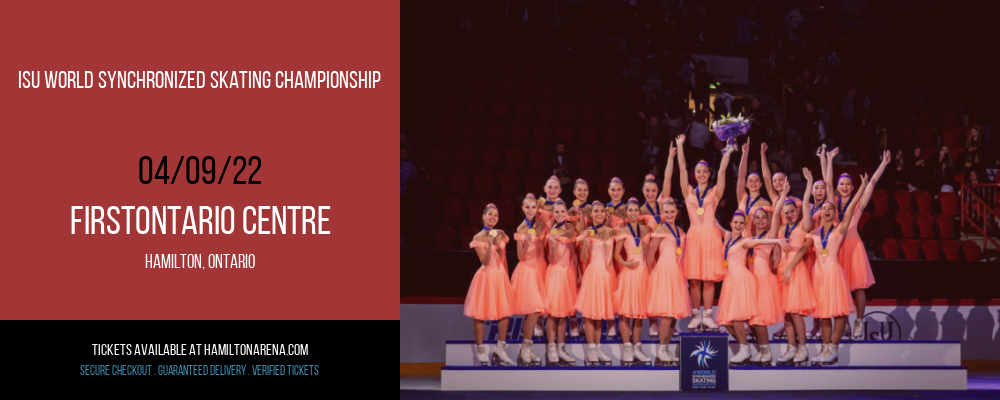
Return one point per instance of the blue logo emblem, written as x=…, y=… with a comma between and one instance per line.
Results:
x=704, y=352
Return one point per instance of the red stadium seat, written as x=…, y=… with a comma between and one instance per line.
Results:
x=496, y=133
x=505, y=85
x=952, y=137
x=925, y=136
x=515, y=158
x=471, y=131
x=489, y=157
x=865, y=217
x=925, y=116
x=588, y=136
x=474, y=207
x=923, y=200
x=527, y=88
x=510, y=66
x=542, y=133
x=906, y=135
x=532, y=67
x=482, y=84
x=500, y=107
x=441, y=155
x=594, y=93
x=612, y=115
x=510, y=213
x=609, y=162
x=903, y=201
x=614, y=93
x=537, y=156
x=444, y=238
x=890, y=249
x=911, y=250
x=534, y=182
x=476, y=106
x=568, y=112
x=458, y=183
x=905, y=223
x=452, y=105
x=925, y=224
x=550, y=90
x=949, y=203
x=951, y=250
x=436, y=176
x=587, y=162
x=524, y=110
x=970, y=249
x=567, y=134
x=465, y=155
x=932, y=250
x=945, y=226
x=510, y=184
x=519, y=134
x=885, y=225
x=609, y=137
x=466, y=233
x=591, y=113
x=546, y=111
x=452, y=209
x=950, y=116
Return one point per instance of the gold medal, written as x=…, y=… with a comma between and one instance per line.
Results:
x=784, y=250
x=725, y=264
x=637, y=250
x=823, y=253
x=679, y=251
x=751, y=260
x=493, y=233
x=531, y=232
x=554, y=231
x=576, y=202
x=701, y=211
x=590, y=232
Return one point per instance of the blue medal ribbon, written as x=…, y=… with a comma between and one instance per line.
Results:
x=815, y=209
x=595, y=228
x=634, y=236
x=823, y=238
x=788, y=232
x=750, y=253
x=529, y=223
x=840, y=211
x=730, y=245
x=613, y=207
x=656, y=215
x=750, y=205
x=557, y=226
x=700, y=197
x=676, y=237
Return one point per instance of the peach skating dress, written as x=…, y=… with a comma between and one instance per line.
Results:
x=769, y=307
x=597, y=288
x=797, y=296
x=738, y=299
x=668, y=289
x=703, y=260
x=528, y=280
x=616, y=222
x=810, y=257
x=833, y=297
x=560, y=278
x=630, y=295
x=490, y=295
x=853, y=257
x=646, y=216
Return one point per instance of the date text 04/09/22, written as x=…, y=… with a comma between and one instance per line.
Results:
x=195, y=167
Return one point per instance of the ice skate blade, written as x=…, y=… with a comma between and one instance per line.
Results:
x=521, y=363
x=559, y=364
x=805, y=363
x=739, y=364
x=786, y=363
x=762, y=364
x=659, y=363
x=634, y=364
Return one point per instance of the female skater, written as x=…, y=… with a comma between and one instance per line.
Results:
x=797, y=296
x=552, y=190
x=748, y=194
x=669, y=298
x=630, y=296
x=560, y=284
x=775, y=185
x=595, y=301
x=852, y=253
x=528, y=280
x=738, y=300
x=833, y=295
x=490, y=296
x=702, y=266
x=615, y=213
x=819, y=192
x=769, y=308
x=649, y=213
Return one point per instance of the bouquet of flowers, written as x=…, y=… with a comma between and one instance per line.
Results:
x=729, y=127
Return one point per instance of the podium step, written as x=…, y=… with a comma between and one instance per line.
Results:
x=898, y=353
x=667, y=378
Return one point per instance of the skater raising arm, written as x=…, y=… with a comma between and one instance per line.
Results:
x=766, y=169
x=871, y=185
x=828, y=175
x=720, y=185
x=806, y=220
x=668, y=175
x=751, y=243
x=842, y=227
x=776, y=218
x=741, y=185
x=682, y=166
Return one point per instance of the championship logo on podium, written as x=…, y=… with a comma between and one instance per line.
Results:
x=704, y=361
